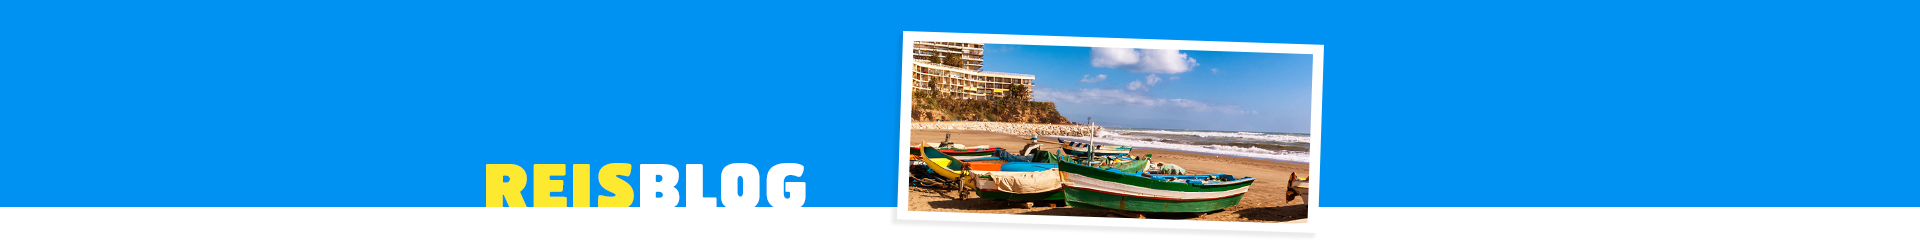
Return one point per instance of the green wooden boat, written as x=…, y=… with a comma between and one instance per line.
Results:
x=1122, y=187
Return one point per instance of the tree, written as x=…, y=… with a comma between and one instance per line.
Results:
x=955, y=60
x=1019, y=92
x=1022, y=93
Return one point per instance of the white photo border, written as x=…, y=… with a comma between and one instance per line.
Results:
x=906, y=101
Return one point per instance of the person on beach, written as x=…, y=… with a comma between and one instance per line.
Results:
x=1165, y=168
x=1033, y=144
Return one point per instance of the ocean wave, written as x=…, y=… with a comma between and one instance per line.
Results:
x=1278, y=138
x=1221, y=150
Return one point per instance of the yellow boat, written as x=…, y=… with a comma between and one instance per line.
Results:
x=952, y=174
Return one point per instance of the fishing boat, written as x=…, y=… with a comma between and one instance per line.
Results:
x=1034, y=178
x=1087, y=149
x=978, y=151
x=960, y=152
x=1010, y=157
x=996, y=157
x=930, y=168
x=1298, y=187
x=1080, y=149
x=1121, y=186
x=1005, y=161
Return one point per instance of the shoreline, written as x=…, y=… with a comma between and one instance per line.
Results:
x=1151, y=149
x=1264, y=202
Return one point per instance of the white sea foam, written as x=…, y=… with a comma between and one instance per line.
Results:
x=1247, y=135
x=1110, y=138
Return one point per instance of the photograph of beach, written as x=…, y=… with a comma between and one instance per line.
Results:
x=1109, y=132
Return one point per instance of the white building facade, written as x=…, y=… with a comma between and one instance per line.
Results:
x=963, y=79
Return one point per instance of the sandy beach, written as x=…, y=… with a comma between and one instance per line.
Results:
x=1265, y=202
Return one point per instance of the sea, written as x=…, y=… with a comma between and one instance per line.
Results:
x=1290, y=147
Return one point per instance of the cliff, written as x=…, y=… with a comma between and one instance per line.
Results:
x=929, y=108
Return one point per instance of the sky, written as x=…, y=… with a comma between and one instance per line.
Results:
x=1167, y=89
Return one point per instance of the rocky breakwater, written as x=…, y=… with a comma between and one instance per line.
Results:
x=1021, y=129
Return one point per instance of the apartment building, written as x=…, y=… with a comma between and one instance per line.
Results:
x=962, y=79
x=970, y=54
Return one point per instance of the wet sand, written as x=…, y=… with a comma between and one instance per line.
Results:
x=1265, y=202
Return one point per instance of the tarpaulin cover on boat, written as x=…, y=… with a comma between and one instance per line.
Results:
x=1027, y=182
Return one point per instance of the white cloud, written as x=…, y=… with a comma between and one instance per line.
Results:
x=1174, y=78
x=1105, y=57
x=1216, y=70
x=1116, y=96
x=1090, y=78
x=1152, y=79
x=1143, y=60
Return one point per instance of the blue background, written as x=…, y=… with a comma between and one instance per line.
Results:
x=329, y=103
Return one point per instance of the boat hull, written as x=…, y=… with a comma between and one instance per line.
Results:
x=1041, y=196
x=1082, y=198
x=1090, y=187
